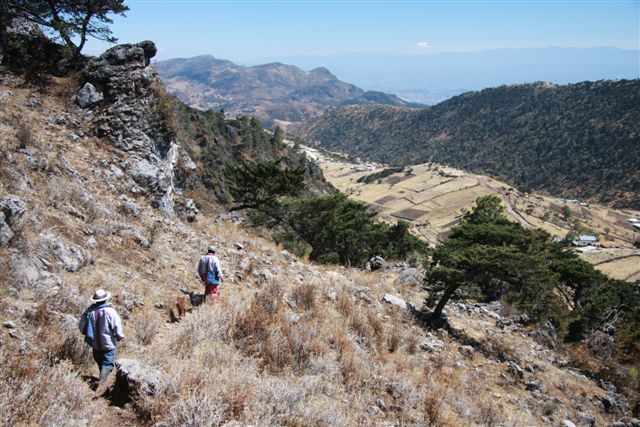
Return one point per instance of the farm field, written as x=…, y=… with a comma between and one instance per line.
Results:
x=432, y=198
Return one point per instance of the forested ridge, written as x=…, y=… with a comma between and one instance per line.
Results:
x=580, y=140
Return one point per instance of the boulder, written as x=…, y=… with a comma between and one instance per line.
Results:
x=394, y=300
x=587, y=419
x=13, y=209
x=73, y=258
x=88, y=96
x=6, y=234
x=614, y=403
x=129, y=207
x=567, y=423
x=432, y=345
x=134, y=380
x=546, y=334
x=515, y=370
x=376, y=263
x=409, y=277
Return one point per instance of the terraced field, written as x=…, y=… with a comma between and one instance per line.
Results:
x=432, y=197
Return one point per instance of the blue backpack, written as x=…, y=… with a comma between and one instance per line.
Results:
x=89, y=331
x=212, y=278
x=89, y=327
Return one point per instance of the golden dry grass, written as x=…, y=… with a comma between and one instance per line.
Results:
x=304, y=345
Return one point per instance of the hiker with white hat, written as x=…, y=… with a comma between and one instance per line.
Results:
x=102, y=328
x=210, y=273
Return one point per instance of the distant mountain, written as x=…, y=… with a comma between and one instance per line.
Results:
x=430, y=78
x=269, y=92
x=581, y=140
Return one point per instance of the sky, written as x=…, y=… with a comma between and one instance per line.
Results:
x=254, y=31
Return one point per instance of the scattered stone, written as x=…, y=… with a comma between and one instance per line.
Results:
x=13, y=209
x=467, y=351
x=380, y=404
x=409, y=277
x=613, y=403
x=6, y=234
x=159, y=305
x=534, y=385
x=432, y=345
x=34, y=102
x=567, y=423
x=394, y=300
x=73, y=258
x=376, y=263
x=130, y=207
x=9, y=325
x=293, y=318
x=88, y=96
x=133, y=380
x=587, y=419
x=635, y=422
x=333, y=296
x=238, y=246
x=191, y=209
x=546, y=335
x=91, y=242
x=515, y=370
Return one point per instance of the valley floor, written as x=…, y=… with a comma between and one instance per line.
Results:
x=432, y=197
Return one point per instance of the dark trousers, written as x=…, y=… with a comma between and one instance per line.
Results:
x=106, y=360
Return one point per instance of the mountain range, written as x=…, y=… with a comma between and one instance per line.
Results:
x=270, y=92
x=580, y=140
x=430, y=78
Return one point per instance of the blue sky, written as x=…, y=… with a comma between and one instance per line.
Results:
x=246, y=31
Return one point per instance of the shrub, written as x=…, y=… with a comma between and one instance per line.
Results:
x=147, y=327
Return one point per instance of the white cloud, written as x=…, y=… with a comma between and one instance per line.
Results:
x=422, y=45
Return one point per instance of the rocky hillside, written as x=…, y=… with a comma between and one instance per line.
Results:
x=578, y=141
x=269, y=92
x=94, y=185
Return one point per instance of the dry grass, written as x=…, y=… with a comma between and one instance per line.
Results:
x=323, y=350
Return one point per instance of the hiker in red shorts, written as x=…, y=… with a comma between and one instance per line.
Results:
x=211, y=274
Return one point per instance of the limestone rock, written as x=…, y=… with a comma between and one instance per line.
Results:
x=13, y=209
x=376, y=263
x=587, y=419
x=129, y=207
x=6, y=234
x=567, y=423
x=409, y=277
x=546, y=334
x=394, y=300
x=9, y=325
x=87, y=96
x=133, y=380
x=73, y=258
x=432, y=345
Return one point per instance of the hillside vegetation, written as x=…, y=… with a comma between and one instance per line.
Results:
x=580, y=140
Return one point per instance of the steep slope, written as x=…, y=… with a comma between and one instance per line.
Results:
x=578, y=140
x=289, y=343
x=269, y=92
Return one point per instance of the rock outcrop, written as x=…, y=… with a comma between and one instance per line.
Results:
x=134, y=117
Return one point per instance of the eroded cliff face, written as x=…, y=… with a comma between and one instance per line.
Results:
x=125, y=100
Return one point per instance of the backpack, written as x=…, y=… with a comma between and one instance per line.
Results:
x=89, y=330
x=212, y=278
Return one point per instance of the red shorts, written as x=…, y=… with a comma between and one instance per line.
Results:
x=211, y=293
